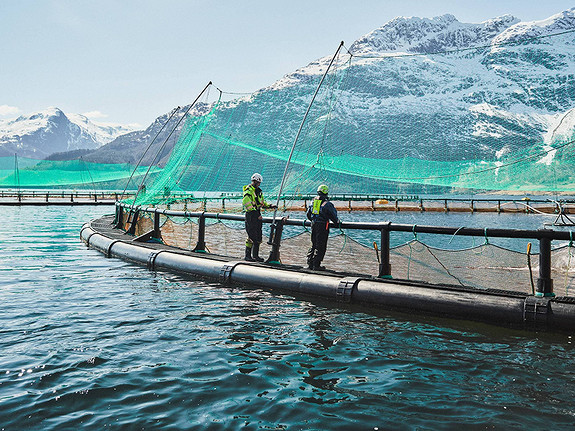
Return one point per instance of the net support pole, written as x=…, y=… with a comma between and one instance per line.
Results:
x=119, y=221
x=544, y=282
x=134, y=222
x=157, y=233
x=201, y=244
x=166, y=141
x=146, y=151
x=276, y=244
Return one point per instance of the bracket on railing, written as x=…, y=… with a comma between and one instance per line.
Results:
x=536, y=311
x=151, y=263
x=226, y=271
x=275, y=240
x=345, y=288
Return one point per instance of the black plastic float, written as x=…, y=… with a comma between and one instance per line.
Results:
x=542, y=311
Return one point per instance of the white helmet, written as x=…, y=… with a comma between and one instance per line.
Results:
x=257, y=177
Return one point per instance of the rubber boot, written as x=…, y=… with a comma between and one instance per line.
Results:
x=256, y=252
x=317, y=265
x=310, y=258
x=248, y=256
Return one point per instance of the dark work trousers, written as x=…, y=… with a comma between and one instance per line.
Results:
x=319, y=236
x=253, y=227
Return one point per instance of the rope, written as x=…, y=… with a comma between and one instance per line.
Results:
x=444, y=267
x=453, y=236
x=344, y=238
x=230, y=92
x=411, y=249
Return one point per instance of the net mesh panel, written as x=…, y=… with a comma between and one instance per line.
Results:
x=491, y=118
x=496, y=118
x=485, y=266
x=26, y=172
x=500, y=117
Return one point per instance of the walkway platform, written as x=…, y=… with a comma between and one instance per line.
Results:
x=493, y=306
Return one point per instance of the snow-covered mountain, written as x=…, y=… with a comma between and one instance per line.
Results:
x=492, y=91
x=440, y=89
x=52, y=131
x=423, y=35
x=159, y=136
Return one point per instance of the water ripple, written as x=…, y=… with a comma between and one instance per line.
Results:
x=92, y=342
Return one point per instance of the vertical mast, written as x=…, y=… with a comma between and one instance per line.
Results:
x=301, y=127
x=165, y=142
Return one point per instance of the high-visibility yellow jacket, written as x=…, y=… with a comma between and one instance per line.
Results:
x=253, y=199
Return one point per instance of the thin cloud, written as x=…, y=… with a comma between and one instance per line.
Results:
x=6, y=110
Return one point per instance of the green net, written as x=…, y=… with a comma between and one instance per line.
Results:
x=480, y=266
x=492, y=118
x=16, y=172
x=486, y=119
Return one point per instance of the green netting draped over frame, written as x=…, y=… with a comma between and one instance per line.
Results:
x=24, y=172
x=497, y=117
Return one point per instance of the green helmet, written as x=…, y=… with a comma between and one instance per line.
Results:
x=322, y=189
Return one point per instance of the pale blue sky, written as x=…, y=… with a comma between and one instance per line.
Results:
x=132, y=60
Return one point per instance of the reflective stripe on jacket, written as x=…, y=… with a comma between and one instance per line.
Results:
x=322, y=210
x=253, y=199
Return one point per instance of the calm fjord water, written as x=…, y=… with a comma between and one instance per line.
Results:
x=95, y=343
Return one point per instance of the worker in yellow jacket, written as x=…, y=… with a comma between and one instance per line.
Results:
x=252, y=204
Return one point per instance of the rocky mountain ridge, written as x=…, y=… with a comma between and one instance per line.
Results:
x=467, y=103
x=51, y=131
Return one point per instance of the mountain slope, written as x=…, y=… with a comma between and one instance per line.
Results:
x=129, y=148
x=493, y=91
x=50, y=131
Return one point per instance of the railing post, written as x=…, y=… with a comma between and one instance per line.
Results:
x=544, y=282
x=119, y=217
x=384, y=263
x=135, y=216
x=276, y=240
x=157, y=232
x=201, y=244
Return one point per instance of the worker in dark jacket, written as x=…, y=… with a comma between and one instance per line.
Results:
x=320, y=212
x=252, y=203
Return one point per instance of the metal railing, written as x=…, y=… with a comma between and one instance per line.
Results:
x=57, y=194
x=128, y=216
